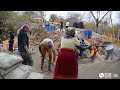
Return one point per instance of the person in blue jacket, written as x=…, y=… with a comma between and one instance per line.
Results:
x=23, y=46
x=82, y=51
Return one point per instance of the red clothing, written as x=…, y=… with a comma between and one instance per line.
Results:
x=1, y=42
x=95, y=52
x=66, y=65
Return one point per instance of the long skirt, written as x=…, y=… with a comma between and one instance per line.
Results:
x=66, y=65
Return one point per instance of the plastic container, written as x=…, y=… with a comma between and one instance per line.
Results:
x=85, y=34
x=89, y=34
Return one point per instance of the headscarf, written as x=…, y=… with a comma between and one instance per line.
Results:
x=70, y=31
x=21, y=28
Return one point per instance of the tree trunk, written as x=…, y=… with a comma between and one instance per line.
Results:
x=96, y=28
x=97, y=19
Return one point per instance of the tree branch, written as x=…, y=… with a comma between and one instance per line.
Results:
x=93, y=15
x=103, y=17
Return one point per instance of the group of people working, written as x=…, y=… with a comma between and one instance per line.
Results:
x=66, y=66
x=61, y=25
x=67, y=60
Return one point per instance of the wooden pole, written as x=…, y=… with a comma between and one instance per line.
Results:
x=112, y=25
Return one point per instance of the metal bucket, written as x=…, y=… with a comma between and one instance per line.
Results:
x=109, y=45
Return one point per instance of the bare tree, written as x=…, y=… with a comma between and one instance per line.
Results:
x=89, y=17
x=97, y=19
x=74, y=15
x=112, y=24
x=42, y=14
x=54, y=17
x=118, y=16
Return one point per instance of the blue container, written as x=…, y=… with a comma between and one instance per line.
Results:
x=86, y=34
x=47, y=27
x=89, y=34
x=50, y=28
x=55, y=28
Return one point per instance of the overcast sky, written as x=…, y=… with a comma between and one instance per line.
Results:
x=64, y=14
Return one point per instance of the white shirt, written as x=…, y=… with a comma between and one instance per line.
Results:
x=67, y=23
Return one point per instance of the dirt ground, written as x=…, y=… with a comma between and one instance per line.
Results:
x=87, y=70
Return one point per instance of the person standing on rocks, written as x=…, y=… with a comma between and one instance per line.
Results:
x=47, y=46
x=67, y=24
x=23, y=46
x=61, y=26
x=67, y=61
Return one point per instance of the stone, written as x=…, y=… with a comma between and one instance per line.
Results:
x=20, y=72
x=34, y=75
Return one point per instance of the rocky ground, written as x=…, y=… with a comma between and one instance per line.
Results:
x=87, y=70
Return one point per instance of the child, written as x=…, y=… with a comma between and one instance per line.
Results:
x=93, y=52
x=1, y=45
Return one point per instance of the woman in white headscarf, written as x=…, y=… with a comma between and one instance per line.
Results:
x=21, y=28
x=23, y=45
